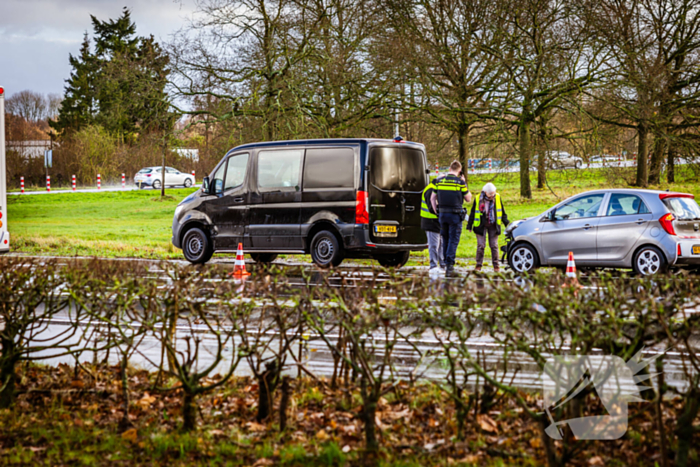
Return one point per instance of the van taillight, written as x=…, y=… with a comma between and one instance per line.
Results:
x=666, y=222
x=361, y=211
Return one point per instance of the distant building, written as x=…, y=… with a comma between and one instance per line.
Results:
x=192, y=154
x=31, y=148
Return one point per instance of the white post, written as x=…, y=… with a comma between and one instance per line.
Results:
x=21, y=183
x=4, y=234
x=123, y=181
x=73, y=182
x=99, y=181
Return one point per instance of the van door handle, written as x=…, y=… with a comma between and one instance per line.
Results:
x=409, y=208
x=587, y=226
x=238, y=200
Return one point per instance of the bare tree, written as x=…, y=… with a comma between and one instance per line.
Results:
x=30, y=105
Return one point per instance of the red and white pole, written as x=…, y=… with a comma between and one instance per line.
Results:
x=21, y=183
x=123, y=181
x=48, y=183
x=99, y=182
x=472, y=162
x=489, y=165
x=72, y=182
x=634, y=159
x=437, y=170
x=619, y=160
x=193, y=177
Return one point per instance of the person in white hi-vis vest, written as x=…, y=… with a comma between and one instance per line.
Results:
x=486, y=217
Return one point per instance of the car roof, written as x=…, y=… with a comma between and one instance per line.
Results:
x=297, y=142
x=628, y=190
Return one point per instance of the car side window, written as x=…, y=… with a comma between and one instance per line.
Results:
x=329, y=168
x=235, y=173
x=279, y=169
x=586, y=206
x=622, y=204
x=170, y=170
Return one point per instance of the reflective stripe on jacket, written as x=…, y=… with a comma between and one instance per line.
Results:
x=450, y=192
x=426, y=208
x=499, y=210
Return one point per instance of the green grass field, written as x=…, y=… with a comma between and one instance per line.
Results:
x=137, y=223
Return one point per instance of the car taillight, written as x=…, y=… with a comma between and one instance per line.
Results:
x=679, y=249
x=361, y=212
x=666, y=222
x=148, y=175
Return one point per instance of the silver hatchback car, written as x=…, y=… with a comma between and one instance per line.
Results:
x=645, y=230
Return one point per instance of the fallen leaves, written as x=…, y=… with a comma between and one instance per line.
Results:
x=130, y=435
x=486, y=423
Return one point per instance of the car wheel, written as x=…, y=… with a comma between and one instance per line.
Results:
x=523, y=258
x=326, y=250
x=649, y=261
x=197, y=246
x=577, y=165
x=156, y=184
x=188, y=183
x=395, y=260
x=263, y=258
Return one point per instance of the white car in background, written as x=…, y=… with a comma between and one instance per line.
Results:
x=151, y=176
x=563, y=160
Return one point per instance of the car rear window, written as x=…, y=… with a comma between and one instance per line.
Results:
x=397, y=169
x=683, y=208
x=145, y=171
x=329, y=168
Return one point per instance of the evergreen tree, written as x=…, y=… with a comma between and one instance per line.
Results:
x=121, y=86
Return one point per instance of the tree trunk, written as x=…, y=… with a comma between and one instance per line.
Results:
x=125, y=393
x=541, y=170
x=463, y=136
x=660, y=411
x=656, y=159
x=684, y=426
x=671, y=163
x=642, y=174
x=266, y=389
x=8, y=376
x=548, y=443
x=525, y=149
x=284, y=403
x=189, y=412
x=369, y=414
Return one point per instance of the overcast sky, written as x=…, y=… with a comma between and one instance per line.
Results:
x=36, y=36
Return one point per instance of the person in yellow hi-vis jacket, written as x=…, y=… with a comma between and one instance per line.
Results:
x=486, y=217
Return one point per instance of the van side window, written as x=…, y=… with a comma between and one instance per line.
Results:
x=279, y=169
x=235, y=173
x=329, y=168
x=217, y=180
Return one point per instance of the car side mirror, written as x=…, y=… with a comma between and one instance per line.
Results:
x=552, y=215
x=205, y=185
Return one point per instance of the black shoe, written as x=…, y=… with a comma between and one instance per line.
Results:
x=450, y=271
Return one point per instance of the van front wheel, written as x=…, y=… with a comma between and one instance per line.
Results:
x=326, y=250
x=197, y=246
x=394, y=260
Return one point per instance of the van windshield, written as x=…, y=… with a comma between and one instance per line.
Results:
x=397, y=169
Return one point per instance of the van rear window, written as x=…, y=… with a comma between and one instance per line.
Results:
x=397, y=169
x=329, y=168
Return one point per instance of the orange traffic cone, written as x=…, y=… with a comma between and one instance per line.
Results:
x=571, y=279
x=239, y=268
x=571, y=266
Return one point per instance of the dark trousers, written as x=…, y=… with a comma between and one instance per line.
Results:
x=492, y=231
x=450, y=231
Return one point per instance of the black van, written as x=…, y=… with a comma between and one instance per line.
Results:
x=331, y=198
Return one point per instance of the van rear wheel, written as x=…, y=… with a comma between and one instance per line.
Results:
x=326, y=250
x=393, y=260
x=263, y=258
x=197, y=246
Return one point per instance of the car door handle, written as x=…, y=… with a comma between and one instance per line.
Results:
x=641, y=221
x=587, y=226
x=409, y=208
x=238, y=200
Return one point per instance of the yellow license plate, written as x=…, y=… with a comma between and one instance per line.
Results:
x=385, y=228
x=696, y=249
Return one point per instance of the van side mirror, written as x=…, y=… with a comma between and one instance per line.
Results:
x=205, y=185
